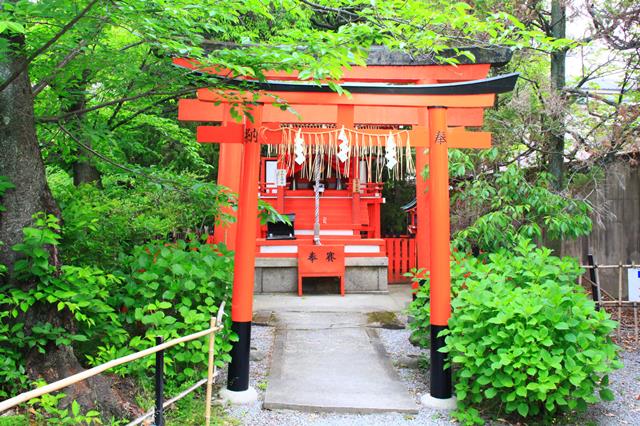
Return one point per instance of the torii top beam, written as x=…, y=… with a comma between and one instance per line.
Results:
x=470, y=94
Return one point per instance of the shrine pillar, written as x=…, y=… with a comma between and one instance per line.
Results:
x=422, y=204
x=229, y=165
x=440, y=274
x=238, y=390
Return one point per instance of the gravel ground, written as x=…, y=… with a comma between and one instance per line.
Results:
x=625, y=383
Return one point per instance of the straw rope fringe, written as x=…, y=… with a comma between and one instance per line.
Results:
x=363, y=145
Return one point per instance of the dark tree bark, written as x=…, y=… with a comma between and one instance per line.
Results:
x=557, y=77
x=21, y=162
x=84, y=170
x=556, y=124
x=20, y=158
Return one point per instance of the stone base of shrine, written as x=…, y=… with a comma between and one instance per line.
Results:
x=280, y=275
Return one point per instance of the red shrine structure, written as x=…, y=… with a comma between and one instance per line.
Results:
x=323, y=164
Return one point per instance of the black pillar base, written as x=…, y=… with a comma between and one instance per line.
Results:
x=238, y=378
x=440, y=376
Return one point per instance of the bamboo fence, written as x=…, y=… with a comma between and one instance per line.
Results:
x=615, y=301
x=71, y=380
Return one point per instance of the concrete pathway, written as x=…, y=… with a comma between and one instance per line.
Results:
x=331, y=361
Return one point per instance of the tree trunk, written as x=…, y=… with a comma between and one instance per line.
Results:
x=556, y=120
x=21, y=162
x=84, y=170
x=20, y=158
x=557, y=77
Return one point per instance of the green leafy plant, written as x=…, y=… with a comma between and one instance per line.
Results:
x=524, y=338
x=173, y=290
x=419, y=309
x=100, y=225
x=46, y=410
x=507, y=207
x=79, y=292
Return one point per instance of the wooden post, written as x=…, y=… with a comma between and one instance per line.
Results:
x=229, y=176
x=635, y=319
x=280, y=190
x=159, y=385
x=422, y=203
x=212, y=340
x=620, y=300
x=595, y=283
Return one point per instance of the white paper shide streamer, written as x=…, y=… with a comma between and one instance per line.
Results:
x=343, y=153
x=391, y=154
x=298, y=148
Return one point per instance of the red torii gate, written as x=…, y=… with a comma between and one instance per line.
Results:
x=428, y=108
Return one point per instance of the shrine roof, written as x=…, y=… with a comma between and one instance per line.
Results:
x=495, y=56
x=383, y=56
x=499, y=84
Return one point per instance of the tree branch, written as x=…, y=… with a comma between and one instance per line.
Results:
x=580, y=92
x=47, y=45
x=62, y=117
x=140, y=111
x=110, y=161
x=45, y=81
x=142, y=68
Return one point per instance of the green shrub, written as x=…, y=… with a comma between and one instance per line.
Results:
x=100, y=225
x=172, y=290
x=420, y=310
x=81, y=292
x=524, y=337
x=167, y=290
x=46, y=410
x=507, y=206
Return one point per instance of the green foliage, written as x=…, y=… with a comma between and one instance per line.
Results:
x=5, y=184
x=18, y=420
x=509, y=207
x=172, y=290
x=420, y=310
x=168, y=290
x=189, y=411
x=100, y=224
x=78, y=292
x=524, y=338
x=47, y=410
x=396, y=194
x=114, y=64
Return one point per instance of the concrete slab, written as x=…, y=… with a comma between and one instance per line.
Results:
x=396, y=300
x=325, y=361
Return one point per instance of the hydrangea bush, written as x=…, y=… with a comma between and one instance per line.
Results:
x=524, y=338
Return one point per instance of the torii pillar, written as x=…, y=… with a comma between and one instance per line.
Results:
x=238, y=389
x=441, y=394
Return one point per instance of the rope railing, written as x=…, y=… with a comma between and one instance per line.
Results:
x=158, y=349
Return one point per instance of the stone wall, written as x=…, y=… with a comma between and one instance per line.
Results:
x=280, y=275
x=617, y=237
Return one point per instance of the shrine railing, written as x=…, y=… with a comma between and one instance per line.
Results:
x=401, y=252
